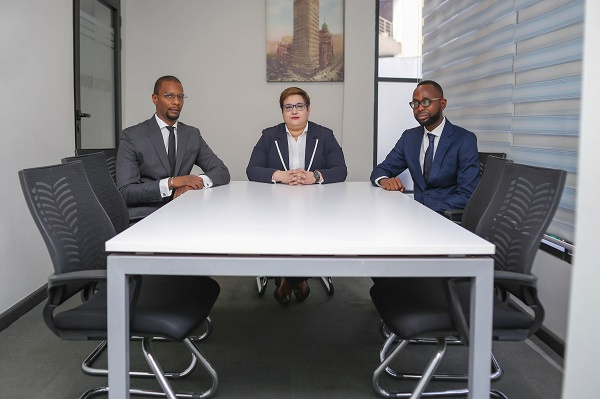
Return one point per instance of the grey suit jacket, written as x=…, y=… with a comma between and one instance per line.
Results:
x=142, y=162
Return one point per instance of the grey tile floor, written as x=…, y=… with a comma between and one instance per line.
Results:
x=326, y=347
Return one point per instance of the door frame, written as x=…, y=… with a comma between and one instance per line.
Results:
x=115, y=6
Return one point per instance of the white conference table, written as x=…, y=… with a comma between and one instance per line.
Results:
x=337, y=230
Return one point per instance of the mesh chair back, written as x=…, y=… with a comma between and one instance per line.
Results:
x=68, y=215
x=104, y=187
x=483, y=194
x=483, y=157
x=109, y=153
x=519, y=214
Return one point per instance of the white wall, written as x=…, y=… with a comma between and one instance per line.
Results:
x=36, y=76
x=217, y=49
x=581, y=380
x=554, y=282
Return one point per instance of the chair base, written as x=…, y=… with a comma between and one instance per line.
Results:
x=391, y=349
x=496, y=369
x=168, y=391
x=87, y=364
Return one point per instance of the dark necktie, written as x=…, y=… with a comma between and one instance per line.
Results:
x=172, y=152
x=428, y=157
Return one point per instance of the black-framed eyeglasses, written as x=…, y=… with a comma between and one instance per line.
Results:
x=171, y=96
x=425, y=102
x=290, y=107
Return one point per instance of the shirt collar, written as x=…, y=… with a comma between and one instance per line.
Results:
x=303, y=132
x=439, y=129
x=162, y=124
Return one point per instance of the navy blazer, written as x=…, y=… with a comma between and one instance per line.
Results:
x=329, y=158
x=142, y=162
x=454, y=171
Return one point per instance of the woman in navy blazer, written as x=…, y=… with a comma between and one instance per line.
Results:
x=296, y=152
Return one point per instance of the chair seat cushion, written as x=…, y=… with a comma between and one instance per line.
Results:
x=167, y=306
x=413, y=307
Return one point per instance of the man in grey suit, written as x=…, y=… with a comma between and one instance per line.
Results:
x=149, y=174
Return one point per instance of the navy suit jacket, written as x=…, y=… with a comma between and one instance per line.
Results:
x=454, y=171
x=329, y=158
x=142, y=162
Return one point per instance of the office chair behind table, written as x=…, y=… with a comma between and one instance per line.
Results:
x=98, y=174
x=515, y=221
x=471, y=216
x=491, y=168
x=483, y=157
x=75, y=228
x=109, y=153
x=96, y=170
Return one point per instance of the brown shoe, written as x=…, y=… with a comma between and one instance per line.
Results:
x=301, y=291
x=283, y=293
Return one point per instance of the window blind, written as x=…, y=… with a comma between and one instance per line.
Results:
x=511, y=71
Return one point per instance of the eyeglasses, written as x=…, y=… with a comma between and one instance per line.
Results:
x=171, y=96
x=425, y=103
x=290, y=107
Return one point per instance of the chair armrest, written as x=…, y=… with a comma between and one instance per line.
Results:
x=502, y=276
x=82, y=276
x=454, y=214
x=522, y=286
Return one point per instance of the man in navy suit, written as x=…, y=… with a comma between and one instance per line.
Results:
x=146, y=176
x=454, y=171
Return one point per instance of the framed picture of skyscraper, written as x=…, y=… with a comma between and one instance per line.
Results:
x=305, y=40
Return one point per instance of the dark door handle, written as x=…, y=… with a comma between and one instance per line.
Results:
x=82, y=115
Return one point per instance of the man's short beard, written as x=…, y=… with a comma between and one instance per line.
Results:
x=431, y=120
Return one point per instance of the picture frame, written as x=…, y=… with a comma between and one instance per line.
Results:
x=305, y=40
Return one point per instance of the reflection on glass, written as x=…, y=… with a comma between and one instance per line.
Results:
x=400, y=38
x=97, y=75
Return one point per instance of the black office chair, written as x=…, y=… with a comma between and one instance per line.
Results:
x=112, y=202
x=515, y=221
x=477, y=205
x=490, y=182
x=75, y=228
x=483, y=157
x=109, y=153
x=98, y=174
x=483, y=194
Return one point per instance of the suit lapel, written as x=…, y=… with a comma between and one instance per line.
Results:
x=157, y=141
x=281, y=139
x=413, y=154
x=440, y=152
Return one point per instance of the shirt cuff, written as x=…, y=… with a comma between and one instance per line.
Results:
x=208, y=183
x=163, y=185
x=379, y=178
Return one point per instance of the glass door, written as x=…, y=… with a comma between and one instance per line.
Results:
x=97, y=73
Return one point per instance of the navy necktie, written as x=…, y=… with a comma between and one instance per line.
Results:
x=172, y=152
x=428, y=157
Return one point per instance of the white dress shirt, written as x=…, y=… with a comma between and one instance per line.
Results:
x=164, y=183
x=297, y=149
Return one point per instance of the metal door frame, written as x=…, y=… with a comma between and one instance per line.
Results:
x=115, y=6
